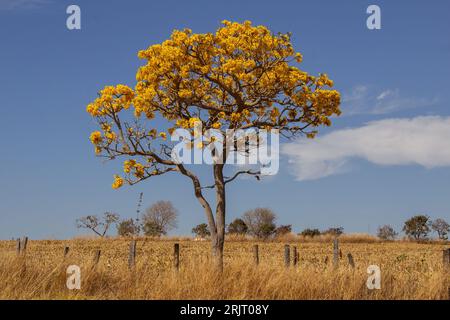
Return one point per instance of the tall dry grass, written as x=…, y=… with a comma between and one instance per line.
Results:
x=409, y=271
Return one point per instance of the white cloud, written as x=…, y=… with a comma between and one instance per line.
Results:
x=360, y=100
x=423, y=141
x=385, y=94
x=21, y=4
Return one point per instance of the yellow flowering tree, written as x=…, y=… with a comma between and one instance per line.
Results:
x=240, y=77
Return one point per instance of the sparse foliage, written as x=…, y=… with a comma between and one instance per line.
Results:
x=386, y=232
x=160, y=218
x=128, y=228
x=310, y=232
x=334, y=231
x=441, y=227
x=260, y=222
x=282, y=230
x=153, y=229
x=99, y=226
x=201, y=230
x=238, y=226
x=417, y=227
x=266, y=230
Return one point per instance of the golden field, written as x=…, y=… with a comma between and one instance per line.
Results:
x=408, y=270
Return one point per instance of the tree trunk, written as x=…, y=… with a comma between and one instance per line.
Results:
x=217, y=224
x=219, y=240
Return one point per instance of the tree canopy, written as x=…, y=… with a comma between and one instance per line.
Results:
x=242, y=76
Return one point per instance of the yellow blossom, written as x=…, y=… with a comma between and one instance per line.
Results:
x=216, y=125
x=235, y=117
x=163, y=135
x=240, y=76
x=152, y=133
x=128, y=165
x=118, y=182
x=139, y=170
x=96, y=137
x=193, y=122
x=111, y=136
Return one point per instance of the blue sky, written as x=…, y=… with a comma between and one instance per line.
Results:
x=384, y=160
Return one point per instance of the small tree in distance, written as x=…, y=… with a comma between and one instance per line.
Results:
x=260, y=222
x=386, y=232
x=266, y=230
x=441, y=227
x=128, y=228
x=238, y=226
x=99, y=226
x=159, y=219
x=282, y=230
x=310, y=232
x=334, y=231
x=417, y=227
x=201, y=230
x=153, y=229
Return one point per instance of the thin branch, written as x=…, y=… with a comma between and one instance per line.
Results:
x=249, y=172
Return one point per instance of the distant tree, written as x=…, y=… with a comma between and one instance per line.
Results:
x=417, y=227
x=441, y=227
x=310, y=232
x=128, y=228
x=99, y=225
x=386, y=232
x=160, y=218
x=266, y=230
x=282, y=230
x=201, y=230
x=260, y=222
x=335, y=231
x=238, y=226
x=153, y=229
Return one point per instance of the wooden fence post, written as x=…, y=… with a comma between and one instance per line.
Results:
x=295, y=256
x=287, y=255
x=256, y=254
x=176, y=256
x=446, y=258
x=351, y=262
x=18, y=246
x=96, y=258
x=66, y=251
x=335, y=252
x=23, y=246
x=132, y=255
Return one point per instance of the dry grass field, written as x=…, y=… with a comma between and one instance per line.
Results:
x=408, y=270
